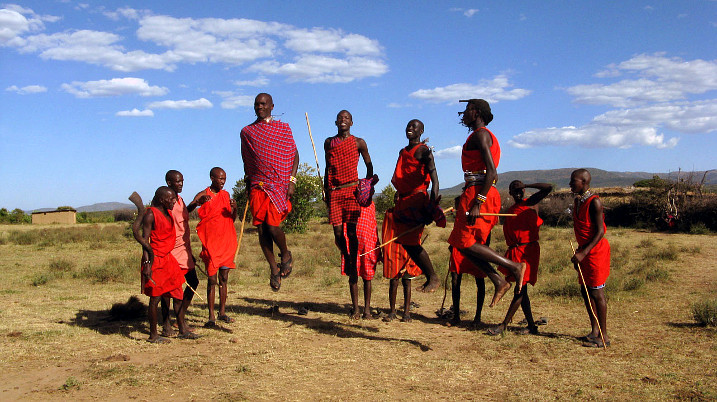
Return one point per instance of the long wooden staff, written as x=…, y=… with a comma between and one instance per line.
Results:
x=195, y=292
x=241, y=230
x=580, y=271
x=318, y=169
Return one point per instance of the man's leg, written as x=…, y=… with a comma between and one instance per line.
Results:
x=211, y=283
x=456, y=297
x=419, y=255
x=480, y=299
x=367, y=299
x=266, y=242
x=166, y=322
x=152, y=316
x=599, y=302
x=392, y=291
x=514, y=304
x=223, y=290
x=481, y=254
x=406, y=281
x=193, y=282
x=279, y=237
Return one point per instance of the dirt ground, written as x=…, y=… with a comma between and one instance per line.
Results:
x=57, y=341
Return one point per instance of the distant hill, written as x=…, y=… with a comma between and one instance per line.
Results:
x=105, y=206
x=600, y=178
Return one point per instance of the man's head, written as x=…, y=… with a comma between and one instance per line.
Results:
x=414, y=129
x=516, y=189
x=174, y=180
x=263, y=105
x=476, y=109
x=344, y=121
x=219, y=177
x=580, y=181
x=164, y=197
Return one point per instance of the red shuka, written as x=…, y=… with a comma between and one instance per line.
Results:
x=463, y=235
x=343, y=169
x=411, y=180
x=166, y=274
x=367, y=240
x=216, y=232
x=182, y=248
x=395, y=258
x=596, y=264
x=521, y=235
x=460, y=264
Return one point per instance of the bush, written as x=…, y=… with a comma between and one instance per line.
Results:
x=567, y=287
x=632, y=284
x=61, y=265
x=705, y=312
x=385, y=200
x=124, y=215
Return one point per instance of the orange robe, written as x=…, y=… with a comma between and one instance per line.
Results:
x=464, y=235
x=182, y=248
x=395, y=257
x=216, y=232
x=167, y=276
x=411, y=180
x=522, y=233
x=596, y=264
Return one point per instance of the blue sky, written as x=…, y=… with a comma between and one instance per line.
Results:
x=98, y=99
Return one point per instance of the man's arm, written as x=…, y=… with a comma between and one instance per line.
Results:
x=363, y=151
x=543, y=190
x=596, y=218
x=482, y=142
x=425, y=156
x=147, y=253
x=294, y=168
x=327, y=147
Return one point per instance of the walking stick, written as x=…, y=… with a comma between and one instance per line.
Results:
x=195, y=292
x=241, y=231
x=318, y=170
x=580, y=271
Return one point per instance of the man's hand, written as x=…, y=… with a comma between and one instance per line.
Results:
x=147, y=268
x=233, y=203
x=579, y=256
x=290, y=190
x=473, y=214
x=201, y=199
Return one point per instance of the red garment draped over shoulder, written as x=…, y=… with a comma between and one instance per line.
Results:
x=166, y=274
x=216, y=232
x=596, y=264
x=411, y=180
x=343, y=169
x=464, y=235
x=182, y=248
x=522, y=233
x=268, y=150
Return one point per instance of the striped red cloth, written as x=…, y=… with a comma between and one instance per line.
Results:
x=368, y=239
x=268, y=150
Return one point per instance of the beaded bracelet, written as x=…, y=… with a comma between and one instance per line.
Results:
x=481, y=198
x=292, y=179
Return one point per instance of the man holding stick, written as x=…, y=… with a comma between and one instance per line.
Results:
x=270, y=161
x=479, y=158
x=342, y=152
x=592, y=258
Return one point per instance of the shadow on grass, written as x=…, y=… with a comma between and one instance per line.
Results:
x=272, y=309
x=102, y=322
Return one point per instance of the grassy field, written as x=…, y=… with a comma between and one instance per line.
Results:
x=57, y=284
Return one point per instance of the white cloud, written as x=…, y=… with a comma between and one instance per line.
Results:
x=311, y=55
x=470, y=12
x=26, y=90
x=135, y=113
x=230, y=100
x=659, y=79
x=201, y=103
x=258, y=82
x=113, y=87
x=449, y=153
x=494, y=90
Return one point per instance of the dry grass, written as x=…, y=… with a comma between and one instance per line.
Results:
x=57, y=341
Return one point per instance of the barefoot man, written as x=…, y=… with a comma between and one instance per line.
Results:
x=340, y=180
x=592, y=254
x=521, y=235
x=479, y=159
x=414, y=171
x=217, y=213
x=459, y=265
x=270, y=163
x=161, y=275
x=182, y=251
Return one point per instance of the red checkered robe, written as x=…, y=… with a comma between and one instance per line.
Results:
x=522, y=233
x=395, y=258
x=411, y=180
x=463, y=235
x=367, y=240
x=268, y=151
x=216, y=232
x=342, y=167
x=595, y=265
x=167, y=276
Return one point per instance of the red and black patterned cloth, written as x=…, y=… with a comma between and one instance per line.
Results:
x=268, y=150
x=342, y=169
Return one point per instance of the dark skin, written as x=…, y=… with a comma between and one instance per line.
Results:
x=478, y=253
x=175, y=181
x=344, y=121
x=414, y=130
x=269, y=234
x=163, y=200
x=579, y=184
x=520, y=298
x=456, y=298
x=219, y=178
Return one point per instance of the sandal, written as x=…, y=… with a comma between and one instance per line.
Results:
x=494, y=331
x=210, y=324
x=528, y=331
x=595, y=343
x=159, y=340
x=285, y=268
x=189, y=335
x=226, y=319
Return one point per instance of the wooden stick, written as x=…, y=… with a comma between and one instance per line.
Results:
x=241, y=231
x=493, y=214
x=404, y=233
x=195, y=292
x=580, y=271
x=318, y=169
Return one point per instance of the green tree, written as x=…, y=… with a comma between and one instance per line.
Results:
x=385, y=200
x=18, y=216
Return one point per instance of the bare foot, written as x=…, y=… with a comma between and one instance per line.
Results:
x=453, y=322
x=497, y=330
x=406, y=318
x=168, y=332
x=367, y=316
x=431, y=285
x=519, y=282
x=354, y=315
x=390, y=317
x=499, y=292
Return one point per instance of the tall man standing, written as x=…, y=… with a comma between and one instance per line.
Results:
x=270, y=161
x=340, y=181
